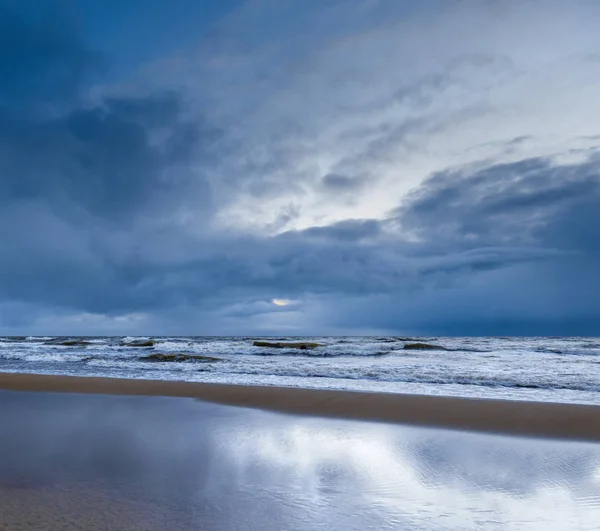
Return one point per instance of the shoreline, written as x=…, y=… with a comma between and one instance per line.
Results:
x=520, y=418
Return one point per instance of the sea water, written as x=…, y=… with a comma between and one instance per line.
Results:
x=560, y=369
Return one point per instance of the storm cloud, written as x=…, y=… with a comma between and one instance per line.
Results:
x=411, y=169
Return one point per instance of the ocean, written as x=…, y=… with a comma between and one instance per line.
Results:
x=549, y=369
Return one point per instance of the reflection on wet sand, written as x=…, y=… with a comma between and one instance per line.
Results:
x=109, y=462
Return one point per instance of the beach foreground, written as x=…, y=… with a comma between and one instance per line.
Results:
x=564, y=421
x=98, y=462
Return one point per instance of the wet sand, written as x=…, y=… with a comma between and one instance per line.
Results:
x=110, y=462
x=560, y=421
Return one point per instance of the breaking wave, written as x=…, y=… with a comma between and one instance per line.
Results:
x=437, y=363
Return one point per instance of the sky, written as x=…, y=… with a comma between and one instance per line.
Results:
x=299, y=167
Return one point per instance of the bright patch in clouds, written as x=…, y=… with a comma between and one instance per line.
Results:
x=282, y=302
x=351, y=125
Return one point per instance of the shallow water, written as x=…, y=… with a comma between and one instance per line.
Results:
x=107, y=462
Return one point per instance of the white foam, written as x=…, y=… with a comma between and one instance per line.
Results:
x=566, y=369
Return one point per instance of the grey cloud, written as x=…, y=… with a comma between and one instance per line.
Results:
x=85, y=186
x=85, y=197
x=517, y=202
x=466, y=274
x=99, y=159
x=529, y=238
x=462, y=258
x=376, y=95
x=109, y=206
x=340, y=183
x=344, y=231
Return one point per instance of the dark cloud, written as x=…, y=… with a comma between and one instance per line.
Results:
x=84, y=184
x=514, y=250
x=43, y=59
x=521, y=202
x=110, y=158
x=86, y=196
x=99, y=159
x=353, y=230
x=342, y=183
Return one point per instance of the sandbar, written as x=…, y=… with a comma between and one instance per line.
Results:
x=537, y=419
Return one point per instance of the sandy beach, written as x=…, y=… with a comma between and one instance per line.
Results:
x=564, y=421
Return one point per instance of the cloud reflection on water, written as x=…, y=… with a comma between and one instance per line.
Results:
x=247, y=469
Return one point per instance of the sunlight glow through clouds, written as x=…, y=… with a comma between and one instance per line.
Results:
x=282, y=302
